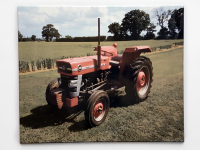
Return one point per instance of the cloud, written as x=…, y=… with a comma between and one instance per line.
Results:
x=49, y=11
x=30, y=19
x=74, y=21
x=117, y=16
x=63, y=18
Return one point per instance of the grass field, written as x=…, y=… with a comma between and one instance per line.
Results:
x=158, y=118
x=29, y=51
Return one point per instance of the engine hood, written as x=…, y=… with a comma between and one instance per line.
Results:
x=81, y=65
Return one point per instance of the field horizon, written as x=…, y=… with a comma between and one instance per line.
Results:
x=35, y=56
x=29, y=51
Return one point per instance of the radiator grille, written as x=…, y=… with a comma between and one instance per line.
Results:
x=64, y=82
x=64, y=67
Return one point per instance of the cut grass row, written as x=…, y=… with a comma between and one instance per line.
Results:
x=37, y=56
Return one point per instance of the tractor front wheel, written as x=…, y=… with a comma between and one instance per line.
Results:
x=52, y=85
x=97, y=108
x=139, y=79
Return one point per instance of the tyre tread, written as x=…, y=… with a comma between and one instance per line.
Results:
x=132, y=73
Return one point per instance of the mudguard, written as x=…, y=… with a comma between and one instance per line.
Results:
x=130, y=54
x=138, y=49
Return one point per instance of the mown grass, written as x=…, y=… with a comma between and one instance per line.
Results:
x=29, y=51
x=159, y=118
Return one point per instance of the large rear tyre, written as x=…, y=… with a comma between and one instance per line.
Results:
x=97, y=108
x=52, y=85
x=139, y=79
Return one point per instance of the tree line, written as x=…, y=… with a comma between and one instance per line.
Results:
x=171, y=24
x=21, y=38
x=48, y=32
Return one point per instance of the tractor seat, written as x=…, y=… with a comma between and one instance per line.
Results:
x=115, y=60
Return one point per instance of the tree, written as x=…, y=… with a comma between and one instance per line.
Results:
x=26, y=39
x=172, y=26
x=163, y=33
x=33, y=37
x=162, y=16
x=134, y=23
x=20, y=36
x=49, y=32
x=179, y=17
x=68, y=37
x=115, y=29
x=150, y=32
x=54, y=33
x=176, y=23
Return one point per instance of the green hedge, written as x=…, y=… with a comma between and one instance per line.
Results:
x=110, y=38
x=82, y=39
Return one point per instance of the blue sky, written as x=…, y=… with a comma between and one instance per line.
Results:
x=75, y=21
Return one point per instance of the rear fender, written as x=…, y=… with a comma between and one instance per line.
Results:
x=130, y=54
x=138, y=49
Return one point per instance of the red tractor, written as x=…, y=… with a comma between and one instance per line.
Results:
x=85, y=77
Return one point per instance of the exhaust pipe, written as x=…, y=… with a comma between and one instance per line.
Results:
x=99, y=46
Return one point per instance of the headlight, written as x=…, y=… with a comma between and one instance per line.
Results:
x=64, y=68
x=69, y=69
x=72, y=83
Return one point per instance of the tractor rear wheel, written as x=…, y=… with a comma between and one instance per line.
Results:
x=97, y=108
x=139, y=79
x=52, y=85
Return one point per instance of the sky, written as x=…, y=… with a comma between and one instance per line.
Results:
x=76, y=21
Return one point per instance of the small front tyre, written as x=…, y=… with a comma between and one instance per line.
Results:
x=52, y=85
x=97, y=108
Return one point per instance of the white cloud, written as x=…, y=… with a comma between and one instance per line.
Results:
x=117, y=16
x=22, y=27
x=38, y=19
x=28, y=18
x=68, y=25
x=103, y=10
x=74, y=21
x=50, y=11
